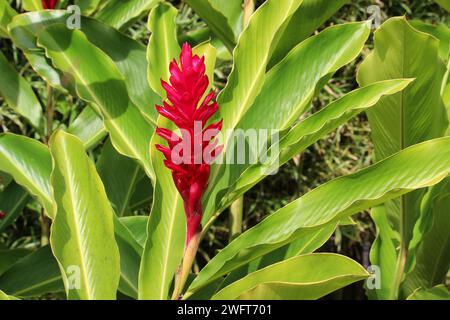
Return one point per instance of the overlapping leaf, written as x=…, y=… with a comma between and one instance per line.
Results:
x=305, y=277
x=82, y=233
x=100, y=82
x=416, y=167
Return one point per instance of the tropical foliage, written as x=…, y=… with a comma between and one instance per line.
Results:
x=94, y=173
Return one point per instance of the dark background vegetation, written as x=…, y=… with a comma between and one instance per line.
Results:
x=346, y=150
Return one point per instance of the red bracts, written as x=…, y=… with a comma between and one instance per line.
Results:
x=189, y=156
x=48, y=4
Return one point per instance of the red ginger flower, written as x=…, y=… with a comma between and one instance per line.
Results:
x=191, y=165
x=48, y=4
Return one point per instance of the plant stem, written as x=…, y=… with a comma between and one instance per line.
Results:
x=185, y=267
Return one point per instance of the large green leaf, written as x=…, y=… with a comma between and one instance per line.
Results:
x=120, y=176
x=28, y=161
x=290, y=86
x=12, y=201
x=233, y=12
x=88, y=6
x=32, y=5
x=82, y=233
x=383, y=254
x=6, y=15
x=8, y=257
x=163, y=45
x=416, y=167
x=166, y=230
x=444, y=4
x=4, y=296
x=310, y=16
x=128, y=55
x=137, y=226
x=100, y=82
x=311, y=129
x=215, y=19
x=34, y=173
x=430, y=246
x=414, y=115
x=436, y=293
x=305, y=277
x=440, y=31
x=88, y=127
x=34, y=275
x=250, y=58
x=130, y=259
x=119, y=14
x=19, y=95
x=301, y=246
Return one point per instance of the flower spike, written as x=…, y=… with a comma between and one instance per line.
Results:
x=185, y=108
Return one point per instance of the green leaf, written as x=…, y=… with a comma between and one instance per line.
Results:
x=163, y=45
x=10, y=256
x=32, y=5
x=82, y=233
x=308, y=131
x=129, y=131
x=120, y=176
x=29, y=163
x=19, y=95
x=88, y=127
x=383, y=254
x=305, y=277
x=440, y=32
x=205, y=49
x=128, y=55
x=166, y=230
x=416, y=167
x=310, y=16
x=119, y=14
x=137, y=226
x=6, y=15
x=34, y=275
x=430, y=246
x=12, y=201
x=88, y=6
x=290, y=86
x=247, y=76
x=436, y=293
x=215, y=19
x=416, y=114
x=233, y=12
x=4, y=296
x=444, y=4
x=130, y=259
x=301, y=246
